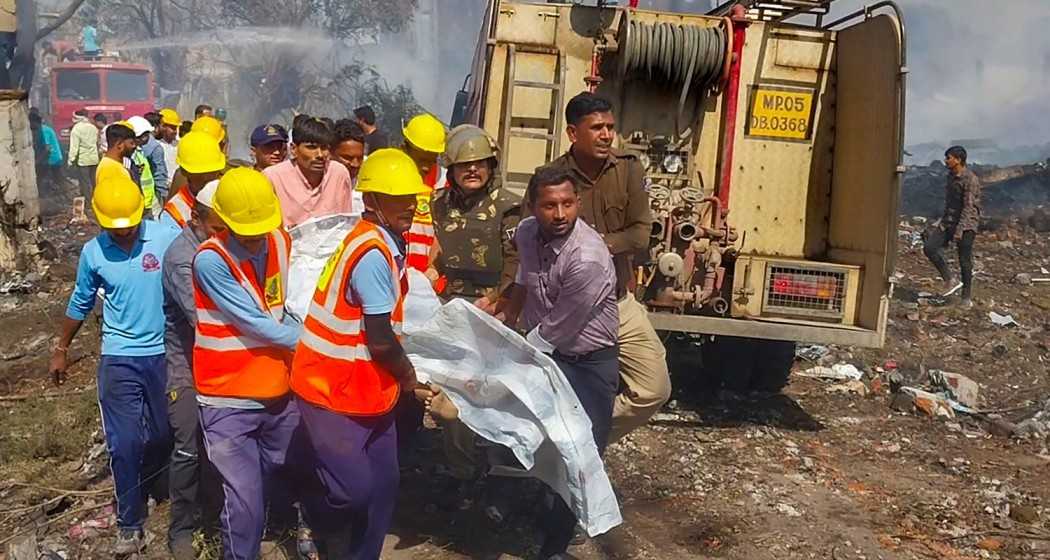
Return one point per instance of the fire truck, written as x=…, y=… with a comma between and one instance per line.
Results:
x=103, y=84
x=772, y=139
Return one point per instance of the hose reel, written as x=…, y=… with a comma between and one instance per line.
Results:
x=679, y=53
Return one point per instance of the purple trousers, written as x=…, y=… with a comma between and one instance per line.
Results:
x=356, y=463
x=247, y=447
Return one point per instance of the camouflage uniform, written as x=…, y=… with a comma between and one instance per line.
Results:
x=476, y=235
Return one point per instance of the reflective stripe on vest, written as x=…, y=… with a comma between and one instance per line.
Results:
x=180, y=207
x=226, y=361
x=421, y=235
x=333, y=367
x=145, y=178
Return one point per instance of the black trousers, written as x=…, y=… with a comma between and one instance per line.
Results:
x=595, y=378
x=194, y=487
x=937, y=239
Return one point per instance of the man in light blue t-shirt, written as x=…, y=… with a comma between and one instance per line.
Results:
x=124, y=262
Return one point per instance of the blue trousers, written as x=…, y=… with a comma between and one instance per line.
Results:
x=356, y=463
x=247, y=447
x=134, y=410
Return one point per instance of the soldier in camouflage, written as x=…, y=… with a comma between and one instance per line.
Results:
x=474, y=222
x=474, y=219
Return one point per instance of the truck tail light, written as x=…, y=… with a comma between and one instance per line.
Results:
x=804, y=291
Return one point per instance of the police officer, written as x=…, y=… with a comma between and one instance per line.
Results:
x=615, y=202
x=474, y=219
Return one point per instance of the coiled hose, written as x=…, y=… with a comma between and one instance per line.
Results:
x=681, y=54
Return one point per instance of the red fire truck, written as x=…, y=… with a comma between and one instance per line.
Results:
x=103, y=84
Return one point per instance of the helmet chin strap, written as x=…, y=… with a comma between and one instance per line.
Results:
x=382, y=219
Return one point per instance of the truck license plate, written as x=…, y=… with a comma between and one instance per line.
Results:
x=780, y=113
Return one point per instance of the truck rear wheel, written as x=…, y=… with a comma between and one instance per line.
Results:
x=748, y=364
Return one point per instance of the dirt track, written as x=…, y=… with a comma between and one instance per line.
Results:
x=709, y=478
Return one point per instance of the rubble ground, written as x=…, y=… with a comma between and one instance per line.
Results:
x=824, y=471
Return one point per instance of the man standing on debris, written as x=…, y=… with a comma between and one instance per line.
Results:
x=202, y=110
x=120, y=142
x=349, y=150
x=168, y=136
x=615, y=202
x=269, y=144
x=125, y=261
x=350, y=368
x=375, y=139
x=180, y=321
x=141, y=170
x=242, y=352
x=200, y=160
x=961, y=219
x=565, y=288
x=83, y=152
x=311, y=185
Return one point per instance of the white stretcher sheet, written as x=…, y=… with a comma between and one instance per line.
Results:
x=507, y=391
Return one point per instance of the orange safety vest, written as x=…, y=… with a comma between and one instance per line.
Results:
x=226, y=361
x=180, y=206
x=421, y=236
x=332, y=367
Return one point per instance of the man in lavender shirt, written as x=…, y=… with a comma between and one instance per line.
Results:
x=311, y=185
x=565, y=293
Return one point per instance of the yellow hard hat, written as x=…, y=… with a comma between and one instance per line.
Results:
x=117, y=202
x=246, y=202
x=126, y=125
x=426, y=133
x=390, y=171
x=210, y=125
x=170, y=117
x=198, y=152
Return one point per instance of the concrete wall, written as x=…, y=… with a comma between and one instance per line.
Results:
x=21, y=203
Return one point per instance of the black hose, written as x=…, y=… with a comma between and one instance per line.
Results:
x=680, y=53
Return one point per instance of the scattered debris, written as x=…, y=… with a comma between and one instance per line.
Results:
x=812, y=352
x=853, y=387
x=960, y=387
x=79, y=214
x=788, y=510
x=1002, y=320
x=931, y=404
x=840, y=371
x=23, y=548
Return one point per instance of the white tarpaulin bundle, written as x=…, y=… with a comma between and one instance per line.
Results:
x=506, y=391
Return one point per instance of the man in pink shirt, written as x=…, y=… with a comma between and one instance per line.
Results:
x=310, y=185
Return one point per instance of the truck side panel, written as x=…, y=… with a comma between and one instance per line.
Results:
x=863, y=215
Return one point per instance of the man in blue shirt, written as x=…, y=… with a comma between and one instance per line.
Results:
x=89, y=40
x=125, y=262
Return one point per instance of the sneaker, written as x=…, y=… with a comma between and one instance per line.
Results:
x=129, y=541
x=951, y=286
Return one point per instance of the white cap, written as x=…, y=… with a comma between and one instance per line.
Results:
x=140, y=125
x=207, y=194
